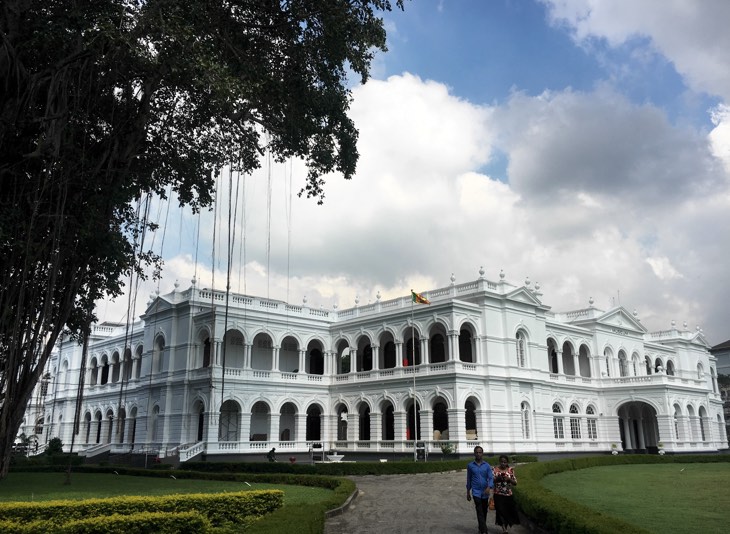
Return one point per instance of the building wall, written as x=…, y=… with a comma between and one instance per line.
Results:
x=255, y=392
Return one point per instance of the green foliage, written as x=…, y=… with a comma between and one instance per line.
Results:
x=145, y=522
x=55, y=446
x=447, y=448
x=342, y=468
x=113, y=102
x=219, y=508
x=560, y=515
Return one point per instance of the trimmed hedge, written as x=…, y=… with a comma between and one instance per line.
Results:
x=341, y=468
x=220, y=508
x=560, y=515
x=141, y=523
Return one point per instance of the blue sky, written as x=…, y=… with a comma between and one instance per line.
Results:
x=584, y=144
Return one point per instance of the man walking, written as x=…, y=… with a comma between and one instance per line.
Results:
x=480, y=486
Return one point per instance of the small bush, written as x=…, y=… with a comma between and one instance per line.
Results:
x=55, y=446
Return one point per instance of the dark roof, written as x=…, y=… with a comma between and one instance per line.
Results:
x=721, y=346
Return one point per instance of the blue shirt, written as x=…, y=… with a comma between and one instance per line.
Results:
x=479, y=479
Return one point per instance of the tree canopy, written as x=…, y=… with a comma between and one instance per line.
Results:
x=103, y=102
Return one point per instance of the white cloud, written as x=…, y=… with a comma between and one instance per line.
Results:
x=606, y=199
x=720, y=136
x=692, y=35
x=663, y=268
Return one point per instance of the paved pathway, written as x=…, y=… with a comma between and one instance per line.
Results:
x=425, y=503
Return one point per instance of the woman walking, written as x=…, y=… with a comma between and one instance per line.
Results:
x=504, y=504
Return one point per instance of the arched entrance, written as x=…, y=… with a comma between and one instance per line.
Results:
x=638, y=427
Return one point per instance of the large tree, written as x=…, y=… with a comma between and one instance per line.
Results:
x=103, y=102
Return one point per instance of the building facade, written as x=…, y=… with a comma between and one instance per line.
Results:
x=484, y=363
x=721, y=352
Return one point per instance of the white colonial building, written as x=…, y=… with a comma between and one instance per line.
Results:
x=488, y=364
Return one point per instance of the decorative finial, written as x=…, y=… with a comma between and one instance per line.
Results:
x=674, y=323
x=684, y=324
x=590, y=301
x=501, y=274
x=304, y=299
x=193, y=282
x=176, y=284
x=453, y=279
x=357, y=300
x=698, y=328
x=481, y=272
x=157, y=291
x=378, y=296
x=635, y=313
x=537, y=286
x=527, y=282
x=334, y=306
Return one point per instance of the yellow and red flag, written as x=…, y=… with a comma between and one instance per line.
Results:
x=419, y=299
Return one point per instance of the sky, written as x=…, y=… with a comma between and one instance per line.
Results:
x=582, y=144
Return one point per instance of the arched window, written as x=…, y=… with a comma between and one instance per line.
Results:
x=623, y=365
x=647, y=363
x=592, y=423
x=558, y=422
x=574, y=422
x=700, y=372
x=521, y=359
x=703, y=416
x=677, y=413
x=229, y=421
x=157, y=348
x=552, y=356
x=690, y=418
x=525, y=409
x=670, y=368
x=607, y=359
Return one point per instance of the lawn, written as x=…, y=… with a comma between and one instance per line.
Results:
x=49, y=486
x=660, y=498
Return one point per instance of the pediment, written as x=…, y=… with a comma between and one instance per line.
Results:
x=700, y=338
x=619, y=318
x=157, y=305
x=522, y=295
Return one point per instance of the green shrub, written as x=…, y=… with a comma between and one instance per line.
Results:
x=55, y=446
x=145, y=522
x=341, y=468
x=220, y=508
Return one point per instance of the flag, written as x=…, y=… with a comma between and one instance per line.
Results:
x=419, y=299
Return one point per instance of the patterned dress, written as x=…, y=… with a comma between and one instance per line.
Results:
x=504, y=504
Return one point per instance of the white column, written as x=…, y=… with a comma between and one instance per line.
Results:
x=560, y=361
x=376, y=357
x=398, y=354
x=424, y=350
x=247, y=347
x=302, y=360
x=627, y=432
x=275, y=362
x=453, y=347
x=274, y=427
x=376, y=427
x=301, y=428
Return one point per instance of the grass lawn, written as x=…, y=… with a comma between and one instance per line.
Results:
x=661, y=498
x=49, y=486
